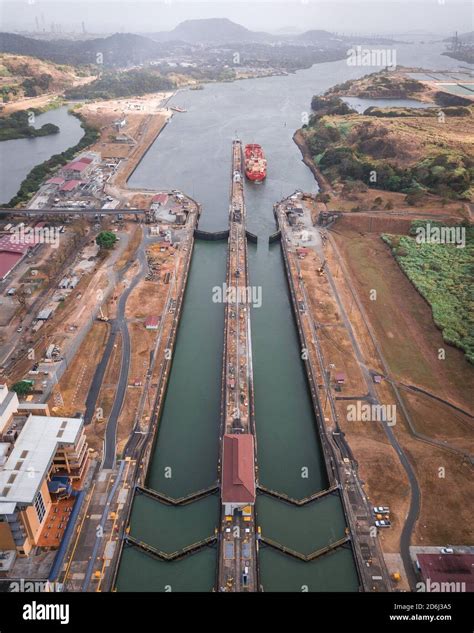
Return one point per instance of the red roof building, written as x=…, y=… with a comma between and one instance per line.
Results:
x=152, y=322
x=13, y=248
x=77, y=165
x=238, y=471
x=8, y=261
x=70, y=185
x=160, y=198
x=447, y=572
x=18, y=243
x=56, y=180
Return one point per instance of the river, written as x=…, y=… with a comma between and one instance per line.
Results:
x=193, y=154
x=19, y=156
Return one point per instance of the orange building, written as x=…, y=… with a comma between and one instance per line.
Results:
x=42, y=458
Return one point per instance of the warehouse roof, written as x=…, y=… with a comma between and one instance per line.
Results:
x=70, y=185
x=8, y=261
x=448, y=568
x=77, y=165
x=238, y=478
x=32, y=455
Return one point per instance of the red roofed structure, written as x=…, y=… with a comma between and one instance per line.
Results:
x=8, y=261
x=152, y=322
x=56, y=180
x=238, y=471
x=77, y=165
x=447, y=572
x=19, y=243
x=13, y=249
x=70, y=185
x=161, y=198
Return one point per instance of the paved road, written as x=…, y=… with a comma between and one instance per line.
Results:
x=122, y=327
x=415, y=496
x=99, y=539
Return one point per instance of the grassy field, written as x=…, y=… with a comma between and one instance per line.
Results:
x=403, y=320
x=442, y=273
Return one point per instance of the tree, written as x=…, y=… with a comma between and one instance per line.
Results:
x=377, y=202
x=106, y=239
x=22, y=388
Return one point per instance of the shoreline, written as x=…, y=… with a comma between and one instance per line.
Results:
x=323, y=183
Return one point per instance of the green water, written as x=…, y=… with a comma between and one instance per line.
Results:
x=185, y=454
x=140, y=572
x=306, y=528
x=196, y=522
x=333, y=572
x=289, y=451
x=185, y=457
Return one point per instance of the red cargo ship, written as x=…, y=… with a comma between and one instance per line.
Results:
x=255, y=163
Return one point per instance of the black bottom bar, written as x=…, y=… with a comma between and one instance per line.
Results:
x=275, y=612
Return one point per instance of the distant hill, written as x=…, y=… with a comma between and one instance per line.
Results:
x=224, y=31
x=126, y=49
x=315, y=36
x=121, y=49
x=215, y=30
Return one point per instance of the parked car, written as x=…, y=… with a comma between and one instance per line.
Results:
x=447, y=550
x=383, y=524
x=381, y=509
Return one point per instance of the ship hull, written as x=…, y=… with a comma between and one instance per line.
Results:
x=255, y=163
x=258, y=178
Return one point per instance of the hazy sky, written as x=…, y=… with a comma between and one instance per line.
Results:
x=106, y=16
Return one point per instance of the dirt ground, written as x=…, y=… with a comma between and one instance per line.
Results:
x=145, y=118
x=403, y=321
x=76, y=381
x=380, y=471
x=142, y=341
x=409, y=339
x=136, y=235
x=358, y=202
x=16, y=68
x=147, y=299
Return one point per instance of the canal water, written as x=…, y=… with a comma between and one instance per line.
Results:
x=193, y=154
x=19, y=156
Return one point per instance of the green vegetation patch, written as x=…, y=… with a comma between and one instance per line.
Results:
x=113, y=85
x=17, y=125
x=106, y=239
x=443, y=274
x=349, y=149
x=23, y=387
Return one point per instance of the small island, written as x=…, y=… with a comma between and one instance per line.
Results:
x=17, y=125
